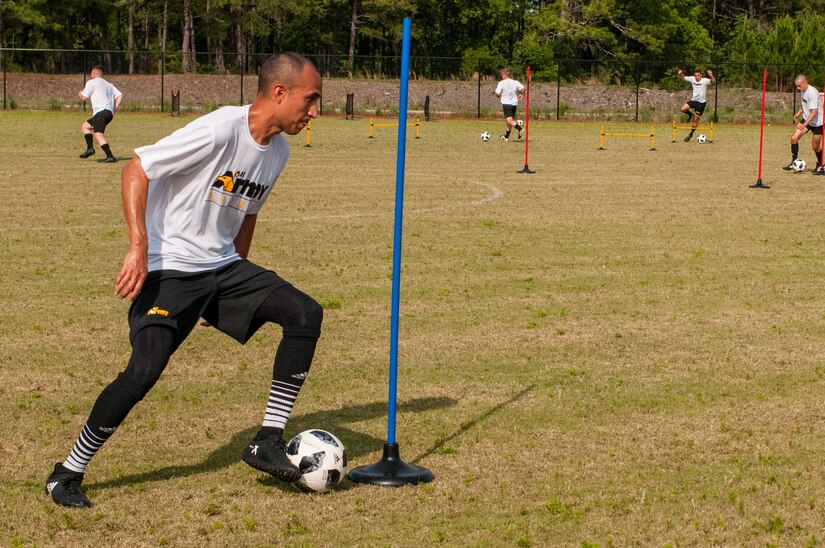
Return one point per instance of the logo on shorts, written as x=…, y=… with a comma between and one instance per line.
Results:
x=157, y=311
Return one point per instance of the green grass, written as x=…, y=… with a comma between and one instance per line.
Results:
x=624, y=348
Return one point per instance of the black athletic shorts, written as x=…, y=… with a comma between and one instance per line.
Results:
x=509, y=110
x=697, y=106
x=227, y=298
x=100, y=120
x=816, y=130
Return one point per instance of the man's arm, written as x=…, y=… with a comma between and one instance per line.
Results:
x=812, y=116
x=243, y=241
x=135, y=189
x=712, y=77
x=118, y=100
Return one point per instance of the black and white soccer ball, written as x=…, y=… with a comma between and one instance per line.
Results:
x=321, y=457
x=702, y=139
x=798, y=165
x=519, y=124
x=485, y=135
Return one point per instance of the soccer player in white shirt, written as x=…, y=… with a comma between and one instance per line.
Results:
x=811, y=112
x=510, y=92
x=106, y=98
x=190, y=202
x=698, y=100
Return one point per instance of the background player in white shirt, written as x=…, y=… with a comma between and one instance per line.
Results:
x=811, y=112
x=510, y=92
x=698, y=100
x=106, y=98
x=190, y=202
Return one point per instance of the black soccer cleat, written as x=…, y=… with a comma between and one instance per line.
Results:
x=788, y=167
x=689, y=137
x=520, y=131
x=110, y=160
x=64, y=488
x=269, y=455
x=819, y=170
x=86, y=153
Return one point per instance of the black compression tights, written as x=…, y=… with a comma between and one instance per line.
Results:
x=298, y=314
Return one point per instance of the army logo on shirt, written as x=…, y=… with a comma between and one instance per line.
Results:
x=232, y=190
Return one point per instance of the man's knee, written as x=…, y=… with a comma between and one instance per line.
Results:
x=305, y=319
x=151, y=350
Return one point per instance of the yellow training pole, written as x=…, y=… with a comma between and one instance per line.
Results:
x=370, y=127
x=673, y=132
x=711, y=132
x=652, y=138
x=309, y=133
x=601, y=137
x=417, y=127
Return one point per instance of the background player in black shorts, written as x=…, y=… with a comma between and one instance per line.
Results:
x=106, y=98
x=698, y=99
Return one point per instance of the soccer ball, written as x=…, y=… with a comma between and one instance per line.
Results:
x=799, y=165
x=321, y=458
x=702, y=139
x=519, y=124
x=485, y=136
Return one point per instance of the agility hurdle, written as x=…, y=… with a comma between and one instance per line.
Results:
x=309, y=134
x=417, y=126
x=689, y=127
x=652, y=136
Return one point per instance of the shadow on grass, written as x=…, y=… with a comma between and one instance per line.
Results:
x=468, y=425
x=334, y=420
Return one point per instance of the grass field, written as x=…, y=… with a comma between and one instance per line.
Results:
x=625, y=348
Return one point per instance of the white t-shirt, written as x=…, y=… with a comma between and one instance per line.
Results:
x=102, y=94
x=205, y=179
x=810, y=100
x=508, y=90
x=700, y=88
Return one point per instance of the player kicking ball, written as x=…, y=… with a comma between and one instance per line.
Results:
x=811, y=113
x=698, y=100
x=510, y=92
x=190, y=203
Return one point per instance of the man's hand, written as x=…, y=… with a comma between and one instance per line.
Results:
x=132, y=274
x=710, y=73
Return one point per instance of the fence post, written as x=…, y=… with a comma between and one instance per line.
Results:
x=162, y=76
x=478, y=101
x=715, y=100
x=4, y=79
x=241, y=63
x=321, y=98
x=637, y=91
x=558, y=91
x=793, y=90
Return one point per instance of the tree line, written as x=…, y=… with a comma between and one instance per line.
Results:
x=482, y=34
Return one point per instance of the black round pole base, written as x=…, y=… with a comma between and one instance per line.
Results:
x=759, y=184
x=391, y=471
x=526, y=169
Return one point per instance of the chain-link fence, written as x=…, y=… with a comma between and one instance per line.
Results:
x=561, y=89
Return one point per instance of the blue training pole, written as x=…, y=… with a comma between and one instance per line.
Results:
x=399, y=216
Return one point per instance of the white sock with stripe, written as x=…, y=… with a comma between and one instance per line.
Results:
x=85, y=448
x=281, y=400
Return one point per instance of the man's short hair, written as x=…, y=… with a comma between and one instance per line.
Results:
x=97, y=68
x=800, y=78
x=282, y=68
x=507, y=71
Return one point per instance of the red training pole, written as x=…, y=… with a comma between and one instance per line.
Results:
x=527, y=128
x=759, y=183
x=821, y=142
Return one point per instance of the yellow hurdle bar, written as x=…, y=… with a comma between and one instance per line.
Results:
x=417, y=125
x=676, y=126
x=652, y=136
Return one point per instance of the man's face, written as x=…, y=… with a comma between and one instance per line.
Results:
x=802, y=85
x=300, y=103
x=697, y=75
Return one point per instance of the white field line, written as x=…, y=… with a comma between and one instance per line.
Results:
x=494, y=194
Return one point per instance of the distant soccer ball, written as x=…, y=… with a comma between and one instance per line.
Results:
x=485, y=136
x=799, y=165
x=321, y=457
x=702, y=139
x=519, y=124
